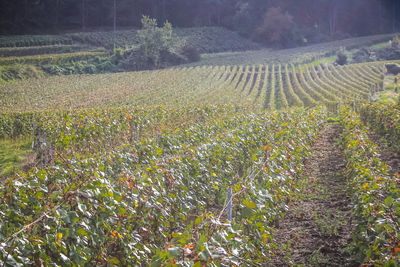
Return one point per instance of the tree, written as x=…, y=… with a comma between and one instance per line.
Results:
x=154, y=40
x=276, y=27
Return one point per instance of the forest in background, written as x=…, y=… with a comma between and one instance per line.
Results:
x=283, y=23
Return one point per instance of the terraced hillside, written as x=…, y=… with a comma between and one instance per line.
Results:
x=256, y=86
x=85, y=52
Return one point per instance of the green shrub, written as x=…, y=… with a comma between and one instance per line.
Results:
x=276, y=28
x=190, y=52
x=341, y=58
x=396, y=42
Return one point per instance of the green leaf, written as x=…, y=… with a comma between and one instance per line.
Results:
x=247, y=213
x=388, y=201
x=82, y=232
x=249, y=204
x=114, y=261
x=198, y=220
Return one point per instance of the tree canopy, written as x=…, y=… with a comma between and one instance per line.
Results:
x=310, y=17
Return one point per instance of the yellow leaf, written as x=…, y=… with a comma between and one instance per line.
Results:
x=114, y=260
x=58, y=238
x=249, y=204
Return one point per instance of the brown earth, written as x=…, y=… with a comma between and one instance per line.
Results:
x=316, y=231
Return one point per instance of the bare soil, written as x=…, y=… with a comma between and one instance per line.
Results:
x=316, y=231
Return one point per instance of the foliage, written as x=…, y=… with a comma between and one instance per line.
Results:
x=363, y=55
x=154, y=41
x=205, y=39
x=50, y=59
x=244, y=16
x=157, y=199
x=190, y=52
x=254, y=86
x=375, y=194
x=276, y=28
x=19, y=72
x=384, y=120
x=388, y=53
x=341, y=58
x=14, y=154
x=396, y=42
x=157, y=47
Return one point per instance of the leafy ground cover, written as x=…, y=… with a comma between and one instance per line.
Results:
x=130, y=186
x=50, y=59
x=375, y=194
x=385, y=121
x=15, y=155
x=161, y=199
x=19, y=72
x=193, y=166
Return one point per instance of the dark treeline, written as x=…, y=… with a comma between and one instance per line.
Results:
x=249, y=17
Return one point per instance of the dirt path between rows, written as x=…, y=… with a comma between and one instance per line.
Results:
x=316, y=231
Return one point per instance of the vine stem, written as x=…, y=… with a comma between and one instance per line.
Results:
x=8, y=254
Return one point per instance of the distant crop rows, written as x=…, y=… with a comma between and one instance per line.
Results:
x=50, y=58
x=39, y=50
x=257, y=86
x=34, y=40
x=298, y=55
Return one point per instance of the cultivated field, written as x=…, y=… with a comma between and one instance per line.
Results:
x=256, y=86
x=246, y=160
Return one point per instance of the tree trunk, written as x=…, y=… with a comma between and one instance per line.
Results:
x=333, y=17
x=56, y=23
x=115, y=23
x=83, y=12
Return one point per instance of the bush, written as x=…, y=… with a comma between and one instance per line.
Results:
x=276, y=28
x=190, y=52
x=364, y=55
x=341, y=58
x=396, y=42
x=118, y=54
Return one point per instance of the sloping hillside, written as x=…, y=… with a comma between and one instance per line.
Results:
x=205, y=39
